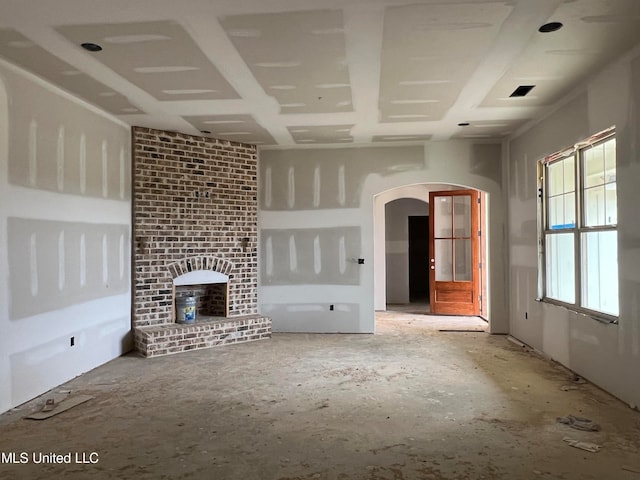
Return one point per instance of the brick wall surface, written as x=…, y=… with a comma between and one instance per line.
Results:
x=193, y=197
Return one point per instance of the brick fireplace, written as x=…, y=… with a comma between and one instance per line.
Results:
x=195, y=222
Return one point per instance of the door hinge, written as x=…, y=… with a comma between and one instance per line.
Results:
x=479, y=233
x=478, y=199
x=480, y=265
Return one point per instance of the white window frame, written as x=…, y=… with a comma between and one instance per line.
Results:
x=577, y=230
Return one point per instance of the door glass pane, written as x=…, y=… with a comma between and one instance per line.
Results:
x=600, y=271
x=594, y=206
x=444, y=260
x=462, y=218
x=442, y=223
x=463, y=260
x=560, y=270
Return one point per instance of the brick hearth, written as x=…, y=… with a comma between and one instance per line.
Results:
x=210, y=332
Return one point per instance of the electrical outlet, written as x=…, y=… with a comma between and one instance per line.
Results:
x=330, y=307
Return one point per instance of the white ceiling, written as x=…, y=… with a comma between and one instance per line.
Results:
x=309, y=72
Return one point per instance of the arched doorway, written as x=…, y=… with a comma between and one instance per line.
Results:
x=403, y=256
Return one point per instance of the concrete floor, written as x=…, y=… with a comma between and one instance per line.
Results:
x=410, y=402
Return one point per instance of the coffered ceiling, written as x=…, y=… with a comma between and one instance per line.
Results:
x=312, y=72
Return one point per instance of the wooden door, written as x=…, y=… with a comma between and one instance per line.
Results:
x=453, y=247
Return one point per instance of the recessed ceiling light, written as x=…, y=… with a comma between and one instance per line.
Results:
x=92, y=47
x=550, y=27
x=464, y=124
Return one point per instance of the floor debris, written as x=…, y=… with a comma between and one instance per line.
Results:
x=566, y=388
x=587, y=446
x=49, y=405
x=578, y=379
x=579, y=423
x=451, y=330
x=60, y=407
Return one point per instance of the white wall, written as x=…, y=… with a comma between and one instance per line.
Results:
x=331, y=193
x=65, y=210
x=397, y=214
x=608, y=355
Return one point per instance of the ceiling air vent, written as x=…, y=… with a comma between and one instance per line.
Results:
x=522, y=90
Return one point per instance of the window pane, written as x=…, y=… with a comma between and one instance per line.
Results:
x=600, y=271
x=442, y=224
x=610, y=159
x=444, y=260
x=556, y=212
x=570, y=210
x=569, y=174
x=556, y=178
x=611, y=203
x=562, y=212
x=560, y=271
x=593, y=169
x=462, y=218
x=594, y=200
x=463, y=260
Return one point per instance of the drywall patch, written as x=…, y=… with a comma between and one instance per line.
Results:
x=267, y=187
x=292, y=182
x=319, y=255
x=293, y=254
x=291, y=190
x=33, y=153
x=60, y=159
x=83, y=163
x=105, y=168
x=68, y=263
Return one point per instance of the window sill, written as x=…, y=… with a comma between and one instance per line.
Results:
x=597, y=316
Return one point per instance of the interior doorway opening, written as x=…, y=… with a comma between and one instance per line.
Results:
x=404, y=251
x=418, y=258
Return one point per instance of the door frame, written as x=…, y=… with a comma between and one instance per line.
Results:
x=459, y=297
x=420, y=191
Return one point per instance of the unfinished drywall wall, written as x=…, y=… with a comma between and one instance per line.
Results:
x=64, y=237
x=332, y=192
x=605, y=354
